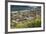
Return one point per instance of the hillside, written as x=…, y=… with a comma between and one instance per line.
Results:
x=25, y=16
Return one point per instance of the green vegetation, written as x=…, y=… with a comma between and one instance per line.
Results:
x=27, y=23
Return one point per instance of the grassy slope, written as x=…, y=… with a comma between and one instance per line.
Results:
x=28, y=23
